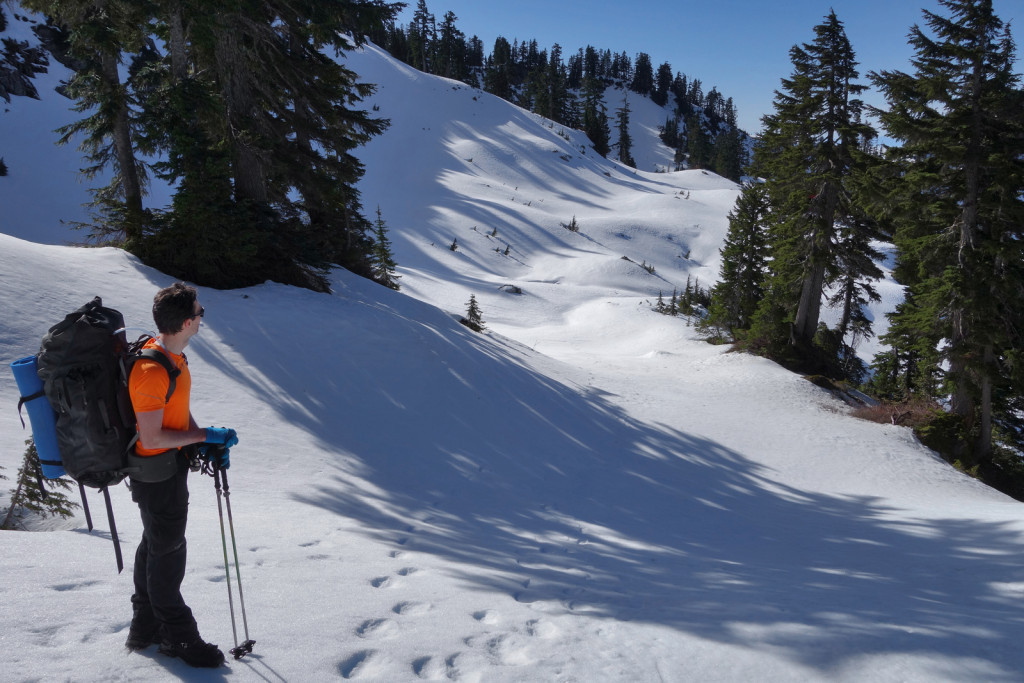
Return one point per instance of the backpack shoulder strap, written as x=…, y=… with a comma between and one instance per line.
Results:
x=162, y=359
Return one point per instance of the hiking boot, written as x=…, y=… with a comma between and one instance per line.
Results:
x=140, y=639
x=194, y=652
x=143, y=632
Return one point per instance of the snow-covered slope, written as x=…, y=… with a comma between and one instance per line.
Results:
x=586, y=492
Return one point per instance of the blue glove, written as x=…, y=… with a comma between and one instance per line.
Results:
x=221, y=435
x=219, y=456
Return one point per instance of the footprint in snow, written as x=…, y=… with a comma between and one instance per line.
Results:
x=412, y=608
x=377, y=628
x=486, y=616
x=381, y=582
x=430, y=668
x=362, y=664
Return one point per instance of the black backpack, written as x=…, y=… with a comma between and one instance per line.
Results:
x=84, y=363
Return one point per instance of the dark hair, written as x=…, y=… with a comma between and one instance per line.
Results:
x=172, y=306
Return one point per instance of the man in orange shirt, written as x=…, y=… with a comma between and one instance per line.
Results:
x=168, y=436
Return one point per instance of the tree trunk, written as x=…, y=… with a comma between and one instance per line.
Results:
x=984, y=452
x=131, y=187
x=248, y=163
x=809, y=309
x=179, y=65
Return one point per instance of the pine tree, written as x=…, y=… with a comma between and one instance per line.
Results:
x=955, y=191
x=809, y=156
x=625, y=143
x=663, y=84
x=26, y=496
x=269, y=147
x=595, y=115
x=730, y=156
x=643, y=75
x=474, y=318
x=498, y=73
x=699, y=147
x=421, y=37
x=102, y=34
x=910, y=367
x=383, y=262
x=740, y=285
x=451, y=49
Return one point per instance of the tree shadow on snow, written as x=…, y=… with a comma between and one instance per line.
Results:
x=551, y=493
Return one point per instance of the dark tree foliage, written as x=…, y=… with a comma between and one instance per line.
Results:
x=740, y=285
x=595, y=116
x=643, y=75
x=810, y=158
x=474, y=318
x=663, y=83
x=625, y=142
x=955, y=188
x=28, y=498
x=256, y=119
x=384, y=265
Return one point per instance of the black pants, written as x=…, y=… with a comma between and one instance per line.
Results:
x=160, y=557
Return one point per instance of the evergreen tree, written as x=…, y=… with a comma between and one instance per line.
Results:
x=911, y=365
x=498, y=73
x=574, y=71
x=26, y=495
x=643, y=75
x=281, y=128
x=730, y=156
x=451, y=49
x=679, y=90
x=102, y=34
x=740, y=285
x=809, y=155
x=699, y=147
x=556, y=93
x=625, y=143
x=595, y=115
x=421, y=37
x=474, y=318
x=383, y=261
x=663, y=84
x=956, y=192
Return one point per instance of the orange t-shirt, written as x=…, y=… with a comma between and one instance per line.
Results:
x=147, y=387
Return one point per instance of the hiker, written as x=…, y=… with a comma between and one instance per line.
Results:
x=169, y=442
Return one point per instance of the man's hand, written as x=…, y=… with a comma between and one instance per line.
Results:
x=222, y=436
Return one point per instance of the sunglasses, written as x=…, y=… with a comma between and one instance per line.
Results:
x=201, y=313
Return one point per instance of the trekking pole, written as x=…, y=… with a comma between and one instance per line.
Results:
x=238, y=651
x=113, y=530
x=246, y=647
x=224, y=544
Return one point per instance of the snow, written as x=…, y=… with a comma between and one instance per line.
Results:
x=584, y=492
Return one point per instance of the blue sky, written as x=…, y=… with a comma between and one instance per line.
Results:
x=739, y=46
